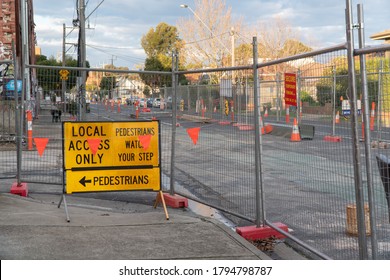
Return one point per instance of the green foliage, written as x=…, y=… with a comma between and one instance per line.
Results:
x=162, y=40
x=49, y=79
x=373, y=77
x=306, y=97
x=293, y=47
x=325, y=86
x=107, y=83
x=159, y=44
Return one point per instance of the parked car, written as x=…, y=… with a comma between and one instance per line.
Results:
x=149, y=102
x=157, y=102
x=142, y=102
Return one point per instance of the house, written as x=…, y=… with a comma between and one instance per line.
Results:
x=384, y=35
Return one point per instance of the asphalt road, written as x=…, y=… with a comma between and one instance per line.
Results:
x=307, y=185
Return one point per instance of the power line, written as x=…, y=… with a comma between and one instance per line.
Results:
x=121, y=56
x=207, y=39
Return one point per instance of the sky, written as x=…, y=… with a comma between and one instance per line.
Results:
x=115, y=28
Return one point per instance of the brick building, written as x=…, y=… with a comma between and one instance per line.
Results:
x=10, y=30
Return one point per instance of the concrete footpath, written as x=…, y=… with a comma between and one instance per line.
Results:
x=34, y=227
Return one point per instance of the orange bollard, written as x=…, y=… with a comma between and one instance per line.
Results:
x=29, y=130
x=337, y=120
x=262, y=129
x=119, y=106
x=372, y=116
x=287, y=113
x=300, y=109
x=232, y=109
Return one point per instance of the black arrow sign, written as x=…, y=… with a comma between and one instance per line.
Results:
x=83, y=181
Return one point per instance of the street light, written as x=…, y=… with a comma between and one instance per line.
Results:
x=211, y=32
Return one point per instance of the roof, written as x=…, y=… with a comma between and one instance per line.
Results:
x=384, y=35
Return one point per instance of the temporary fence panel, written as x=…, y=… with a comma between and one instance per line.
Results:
x=308, y=185
x=8, y=113
x=378, y=84
x=214, y=161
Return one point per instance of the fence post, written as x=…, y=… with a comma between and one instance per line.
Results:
x=362, y=240
x=18, y=187
x=29, y=130
x=334, y=101
x=174, y=114
x=18, y=120
x=379, y=125
x=299, y=106
x=260, y=215
x=367, y=134
x=278, y=97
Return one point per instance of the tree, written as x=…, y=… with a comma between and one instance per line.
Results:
x=160, y=41
x=324, y=87
x=208, y=33
x=159, y=44
x=277, y=39
x=107, y=83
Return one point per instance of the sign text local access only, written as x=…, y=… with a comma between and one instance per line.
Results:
x=111, y=156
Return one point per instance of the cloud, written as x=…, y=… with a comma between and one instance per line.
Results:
x=122, y=23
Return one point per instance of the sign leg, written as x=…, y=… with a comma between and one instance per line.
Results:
x=65, y=207
x=160, y=198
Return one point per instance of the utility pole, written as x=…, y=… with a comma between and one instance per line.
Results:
x=63, y=89
x=233, y=43
x=112, y=78
x=233, y=57
x=82, y=61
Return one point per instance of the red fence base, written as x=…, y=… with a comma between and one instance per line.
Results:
x=21, y=189
x=332, y=138
x=175, y=201
x=253, y=232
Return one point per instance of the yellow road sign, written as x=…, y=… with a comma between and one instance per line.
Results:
x=113, y=180
x=64, y=74
x=111, y=156
x=109, y=144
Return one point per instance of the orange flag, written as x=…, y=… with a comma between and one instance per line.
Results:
x=94, y=145
x=194, y=134
x=41, y=143
x=145, y=141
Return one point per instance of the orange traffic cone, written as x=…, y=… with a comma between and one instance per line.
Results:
x=372, y=116
x=266, y=112
x=337, y=120
x=262, y=129
x=287, y=113
x=295, y=136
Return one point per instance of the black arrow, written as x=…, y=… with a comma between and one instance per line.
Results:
x=83, y=181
